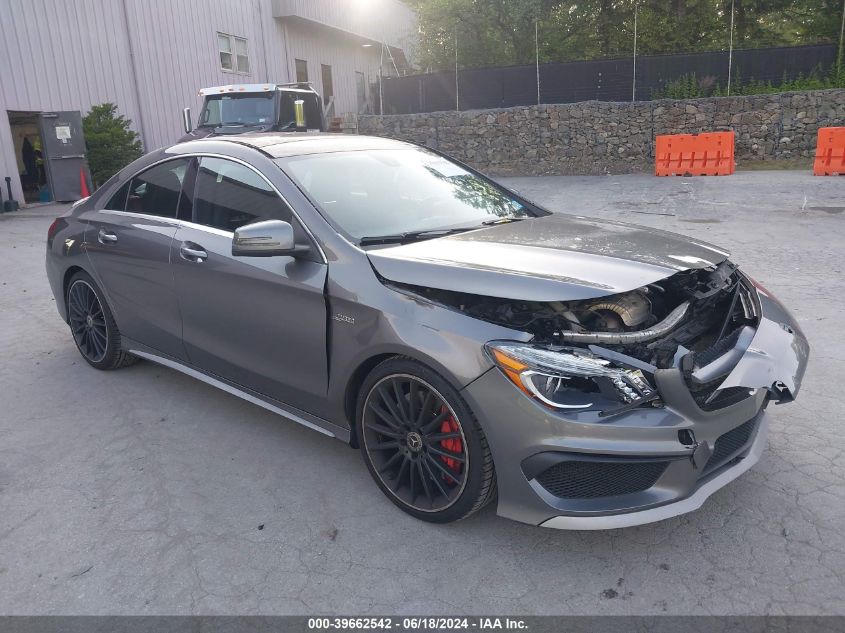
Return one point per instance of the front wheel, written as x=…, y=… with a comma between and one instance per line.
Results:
x=422, y=444
x=93, y=326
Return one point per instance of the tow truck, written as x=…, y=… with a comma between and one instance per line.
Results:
x=239, y=108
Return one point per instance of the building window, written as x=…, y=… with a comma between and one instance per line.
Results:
x=234, y=54
x=328, y=91
x=224, y=43
x=301, y=70
x=241, y=55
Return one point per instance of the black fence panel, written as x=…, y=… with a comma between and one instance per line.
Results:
x=602, y=79
x=654, y=72
x=519, y=85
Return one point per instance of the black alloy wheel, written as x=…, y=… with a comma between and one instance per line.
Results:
x=92, y=325
x=421, y=445
x=87, y=321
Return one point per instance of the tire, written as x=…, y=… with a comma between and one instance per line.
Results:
x=92, y=325
x=422, y=444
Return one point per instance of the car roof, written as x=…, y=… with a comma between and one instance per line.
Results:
x=281, y=145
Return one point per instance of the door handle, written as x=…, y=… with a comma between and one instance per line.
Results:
x=192, y=252
x=106, y=237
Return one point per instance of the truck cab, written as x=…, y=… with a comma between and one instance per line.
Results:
x=239, y=108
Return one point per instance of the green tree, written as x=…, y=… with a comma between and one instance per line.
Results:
x=674, y=26
x=110, y=142
x=488, y=32
x=500, y=32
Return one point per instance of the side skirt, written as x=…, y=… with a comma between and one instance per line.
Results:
x=291, y=413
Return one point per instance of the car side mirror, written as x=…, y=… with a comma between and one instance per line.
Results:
x=270, y=238
x=186, y=121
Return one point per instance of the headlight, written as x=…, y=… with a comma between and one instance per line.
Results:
x=570, y=378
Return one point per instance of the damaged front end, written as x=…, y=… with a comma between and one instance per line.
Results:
x=645, y=359
x=645, y=362
x=723, y=333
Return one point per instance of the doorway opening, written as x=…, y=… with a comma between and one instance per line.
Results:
x=29, y=155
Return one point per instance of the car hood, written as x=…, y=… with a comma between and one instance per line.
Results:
x=550, y=258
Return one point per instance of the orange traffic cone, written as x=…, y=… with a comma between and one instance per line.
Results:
x=83, y=184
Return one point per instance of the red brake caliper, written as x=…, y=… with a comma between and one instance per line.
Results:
x=449, y=425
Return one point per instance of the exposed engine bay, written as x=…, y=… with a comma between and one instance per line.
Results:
x=691, y=319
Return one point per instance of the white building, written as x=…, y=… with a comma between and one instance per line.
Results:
x=150, y=57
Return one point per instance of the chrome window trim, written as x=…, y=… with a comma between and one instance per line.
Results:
x=211, y=229
x=172, y=221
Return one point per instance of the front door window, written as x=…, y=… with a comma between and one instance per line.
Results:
x=230, y=195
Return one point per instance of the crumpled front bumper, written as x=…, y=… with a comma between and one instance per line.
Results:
x=692, y=502
x=576, y=472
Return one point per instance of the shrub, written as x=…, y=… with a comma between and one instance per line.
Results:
x=688, y=87
x=111, y=144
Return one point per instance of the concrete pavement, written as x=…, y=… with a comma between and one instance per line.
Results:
x=142, y=491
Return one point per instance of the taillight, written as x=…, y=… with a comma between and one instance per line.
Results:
x=54, y=228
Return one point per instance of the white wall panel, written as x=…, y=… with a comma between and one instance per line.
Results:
x=318, y=46
x=60, y=55
x=150, y=57
x=389, y=21
x=175, y=45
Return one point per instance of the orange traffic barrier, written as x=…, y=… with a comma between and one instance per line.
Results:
x=83, y=184
x=830, y=152
x=705, y=154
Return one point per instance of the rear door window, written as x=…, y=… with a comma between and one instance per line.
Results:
x=118, y=201
x=156, y=191
x=230, y=195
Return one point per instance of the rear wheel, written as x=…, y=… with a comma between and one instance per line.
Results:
x=92, y=325
x=422, y=444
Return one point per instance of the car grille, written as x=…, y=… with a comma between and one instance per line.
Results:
x=589, y=479
x=725, y=398
x=729, y=444
x=706, y=401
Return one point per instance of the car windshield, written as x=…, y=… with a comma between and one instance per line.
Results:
x=391, y=192
x=237, y=110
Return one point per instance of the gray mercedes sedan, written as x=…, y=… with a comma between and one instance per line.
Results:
x=474, y=346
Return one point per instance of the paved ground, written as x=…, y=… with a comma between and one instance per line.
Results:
x=143, y=491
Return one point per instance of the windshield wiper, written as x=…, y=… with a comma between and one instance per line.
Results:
x=411, y=236
x=505, y=220
x=241, y=124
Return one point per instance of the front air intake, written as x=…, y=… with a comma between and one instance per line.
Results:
x=592, y=479
x=730, y=444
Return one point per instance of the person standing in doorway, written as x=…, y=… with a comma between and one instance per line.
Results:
x=30, y=162
x=39, y=160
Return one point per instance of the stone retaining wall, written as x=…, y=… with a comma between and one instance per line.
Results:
x=597, y=137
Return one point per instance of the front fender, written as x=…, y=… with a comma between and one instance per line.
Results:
x=777, y=356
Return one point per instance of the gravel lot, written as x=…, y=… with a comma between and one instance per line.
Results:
x=143, y=491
